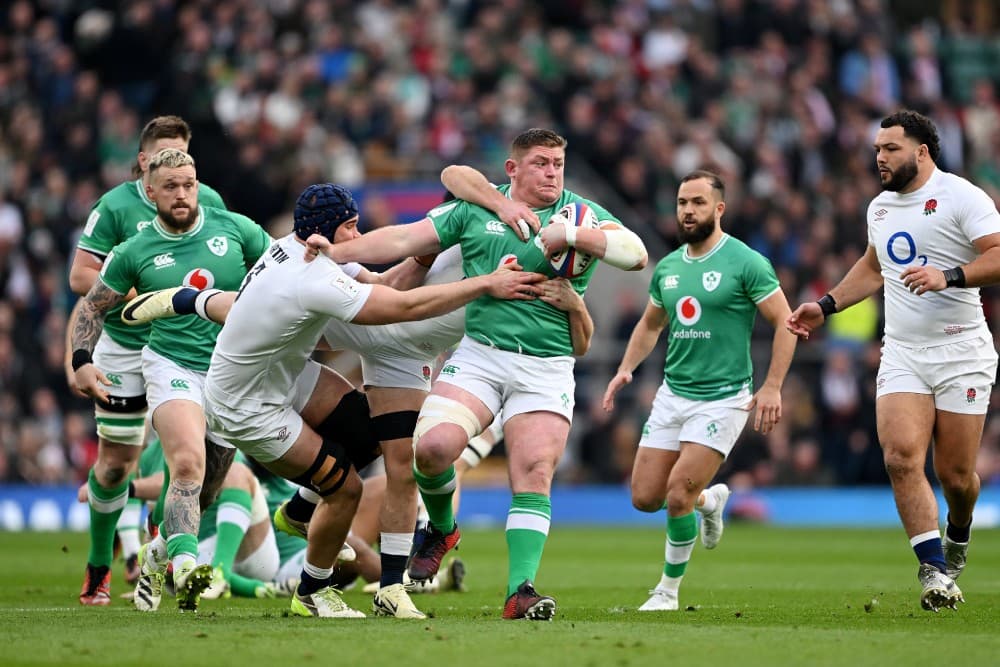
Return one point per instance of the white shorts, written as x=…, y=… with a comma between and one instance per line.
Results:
x=675, y=419
x=397, y=370
x=168, y=381
x=262, y=564
x=518, y=383
x=122, y=366
x=267, y=431
x=959, y=375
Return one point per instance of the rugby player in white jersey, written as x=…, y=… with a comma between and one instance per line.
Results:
x=933, y=241
x=301, y=420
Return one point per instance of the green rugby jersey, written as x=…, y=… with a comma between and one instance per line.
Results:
x=711, y=302
x=529, y=327
x=217, y=252
x=116, y=217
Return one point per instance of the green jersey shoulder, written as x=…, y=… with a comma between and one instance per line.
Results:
x=711, y=302
x=217, y=252
x=528, y=327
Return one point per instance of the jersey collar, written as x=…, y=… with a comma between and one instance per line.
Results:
x=689, y=259
x=170, y=236
x=141, y=189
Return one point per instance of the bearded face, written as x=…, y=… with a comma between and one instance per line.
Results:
x=694, y=230
x=897, y=179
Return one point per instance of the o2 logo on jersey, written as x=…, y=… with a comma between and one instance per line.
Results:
x=688, y=310
x=199, y=279
x=902, y=249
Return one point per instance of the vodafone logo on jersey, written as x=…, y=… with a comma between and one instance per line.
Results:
x=199, y=279
x=688, y=310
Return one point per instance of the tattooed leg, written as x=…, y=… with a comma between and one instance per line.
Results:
x=182, y=514
x=217, y=462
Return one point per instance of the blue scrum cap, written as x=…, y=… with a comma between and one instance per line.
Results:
x=321, y=208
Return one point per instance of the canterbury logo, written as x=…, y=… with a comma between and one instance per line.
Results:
x=164, y=260
x=177, y=383
x=495, y=227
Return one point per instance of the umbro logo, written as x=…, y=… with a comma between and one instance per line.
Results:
x=164, y=260
x=495, y=227
x=880, y=214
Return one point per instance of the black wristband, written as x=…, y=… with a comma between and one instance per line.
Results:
x=81, y=358
x=827, y=305
x=131, y=489
x=954, y=277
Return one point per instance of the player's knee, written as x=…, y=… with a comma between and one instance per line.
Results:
x=680, y=501
x=111, y=474
x=645, y=499
x=900, y=463
x=956, y=479
x=329, y=471
x=187, y=466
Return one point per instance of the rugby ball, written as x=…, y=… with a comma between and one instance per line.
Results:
x=571, y=263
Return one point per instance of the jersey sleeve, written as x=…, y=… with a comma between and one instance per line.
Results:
x=449, y=221
x=759, y=278
x=118, y=271
x=332, y=292
x=255, y=240
x=351, y=268
x=100, y=233
x=656, y=285
x=978, y=216
x=208, y=196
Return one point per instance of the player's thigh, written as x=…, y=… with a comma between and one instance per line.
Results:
x=538, y=384
x=318, y=390
x=956, y=444
x=650, y=473
x=962, y=375
x=696, y=466
x=905, y=424
x=122, y=420
x=535, y=441
x=396, y=370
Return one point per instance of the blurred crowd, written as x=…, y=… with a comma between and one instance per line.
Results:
x=780, y=96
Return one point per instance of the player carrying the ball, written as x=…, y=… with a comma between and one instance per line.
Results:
x=518, y=357
x=706, y=294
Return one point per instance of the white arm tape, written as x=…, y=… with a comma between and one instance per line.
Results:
x=570, y=234
x=624, y=248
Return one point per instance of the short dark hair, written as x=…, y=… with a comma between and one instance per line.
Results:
x=536, y=136
x=713, y=179
x=161, y=127
x=916, y=126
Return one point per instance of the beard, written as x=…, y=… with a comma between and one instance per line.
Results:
x=175, y=223
x=701, y=231
x=901, y=177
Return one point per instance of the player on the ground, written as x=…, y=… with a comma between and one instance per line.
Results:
x=185, y=244
x=706, y=294
x=300, y=420
x=517, y=356
x=121, y=430
x=933, y=241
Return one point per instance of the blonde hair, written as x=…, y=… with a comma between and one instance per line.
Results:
x=170, y=158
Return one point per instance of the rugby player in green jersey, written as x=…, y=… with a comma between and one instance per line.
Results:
x=185, y=244
x=706, y=294
x=514, y=356
x=121, y=430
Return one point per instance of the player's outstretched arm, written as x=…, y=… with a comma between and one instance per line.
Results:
x=469, y=184
x=863, y=280
x=767, y=400
x=559, y=292
x=382, y=245
x=386, y=305
x=640, y=344
x=612, y=243
x=86, y=330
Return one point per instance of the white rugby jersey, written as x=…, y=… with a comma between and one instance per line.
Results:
x=275, y=323
x=422, y=338
x=933, y=226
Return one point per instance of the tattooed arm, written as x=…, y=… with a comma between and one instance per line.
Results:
x=86, y=330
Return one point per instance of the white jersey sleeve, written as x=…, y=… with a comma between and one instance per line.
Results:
x=330, y=291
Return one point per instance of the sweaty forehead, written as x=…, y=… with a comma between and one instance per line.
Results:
x=891, y=135
x=550, y=153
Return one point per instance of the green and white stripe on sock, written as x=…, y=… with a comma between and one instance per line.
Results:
x=437, y=492
x=232, y=520
x=528, y=522
x=682, y=531
x=106, y=506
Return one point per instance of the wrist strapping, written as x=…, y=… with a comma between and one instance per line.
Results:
x=81, y=358
x=201, y=301
x=828, y=305
x=954, y=277
x=570, y=235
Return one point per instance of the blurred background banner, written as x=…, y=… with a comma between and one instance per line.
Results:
x=46, y=508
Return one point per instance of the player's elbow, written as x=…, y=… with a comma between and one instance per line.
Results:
x=581, y=348
x=79, y=282
x=624, y=250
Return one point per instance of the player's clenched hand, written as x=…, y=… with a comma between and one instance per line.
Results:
x=617, y=382
x=805, y=319
x=920, y=279
x=768, y=404
x=316, y=244
x=553, y=238
x=519, y=217
x=89, y=378
x=510, y=282
x=559, y=292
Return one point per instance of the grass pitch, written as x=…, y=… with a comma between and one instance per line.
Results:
x=766, y=596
